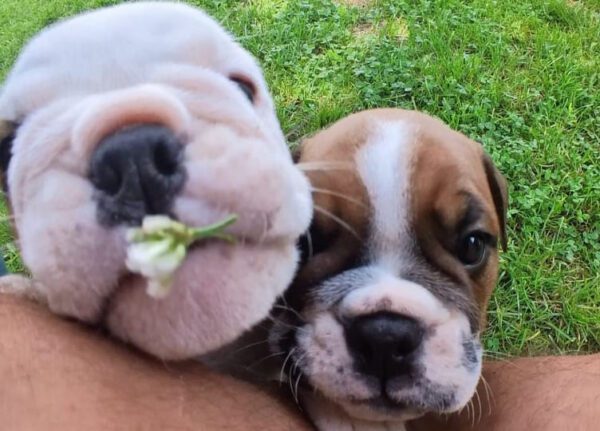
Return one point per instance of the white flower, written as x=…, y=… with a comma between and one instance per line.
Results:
x=158, y=247
x=157, y=261
x=157, y=223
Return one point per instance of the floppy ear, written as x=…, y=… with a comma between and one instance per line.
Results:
x=499, y=188
x=7, y=136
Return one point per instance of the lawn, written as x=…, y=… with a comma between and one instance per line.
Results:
x=520, y=77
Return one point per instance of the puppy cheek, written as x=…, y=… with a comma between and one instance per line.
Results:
x=296, y=211
x=79, y=262
x=218, y=293
x=327, y=361
x=270, y=193
x=452, y=358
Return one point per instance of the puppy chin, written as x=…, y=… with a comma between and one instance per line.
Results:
x=367, y=412
x=207, y=306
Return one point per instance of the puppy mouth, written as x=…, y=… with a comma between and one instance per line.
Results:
x=127, y=277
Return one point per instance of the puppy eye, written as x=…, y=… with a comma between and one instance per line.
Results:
x=472, y=249
x=246, y=86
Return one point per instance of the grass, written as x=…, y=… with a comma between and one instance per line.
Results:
x=520, y=77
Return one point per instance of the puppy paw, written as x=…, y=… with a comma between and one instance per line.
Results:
x=23, y=287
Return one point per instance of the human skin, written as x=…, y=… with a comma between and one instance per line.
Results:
x=59, y=375
x=553, y=393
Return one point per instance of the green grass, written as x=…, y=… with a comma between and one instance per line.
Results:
x=520, y=77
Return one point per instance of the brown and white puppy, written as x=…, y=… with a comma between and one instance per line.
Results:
x=383, y=321
x=149, y=108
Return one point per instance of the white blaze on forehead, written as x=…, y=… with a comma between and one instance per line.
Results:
x=384, y=167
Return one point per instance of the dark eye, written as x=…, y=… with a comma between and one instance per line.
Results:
x=472, y=249
x=246, y=86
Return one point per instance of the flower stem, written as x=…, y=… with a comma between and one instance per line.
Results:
x=214, y=230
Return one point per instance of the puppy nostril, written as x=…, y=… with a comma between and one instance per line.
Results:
x=165, y=159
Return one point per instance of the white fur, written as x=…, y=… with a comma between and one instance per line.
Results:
x=327, y=361
x=328, y=416
x=390, y=293
x=384, y=167
x=323, y=349
x=153, y=62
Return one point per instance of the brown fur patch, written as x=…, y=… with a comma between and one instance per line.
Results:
x=338, y=194
x=449, y=174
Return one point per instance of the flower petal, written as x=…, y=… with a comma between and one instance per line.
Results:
x=159, y=288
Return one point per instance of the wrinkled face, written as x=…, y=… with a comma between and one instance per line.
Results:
x=400, y=265
x=150, y=108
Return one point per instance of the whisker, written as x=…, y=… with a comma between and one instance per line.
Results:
x=241, y=349
x=337, y=220
x=468, y=406
x=310, y=244
x=289, y=355
x=261, y=360
x=340, y=195
x=296, y=388
x=295, y=369
x=285, y=324
x=488, y=393
x=479, y=416
x=288, y=308
x=473, y=411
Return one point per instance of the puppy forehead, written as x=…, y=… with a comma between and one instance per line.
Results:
x=448, y=178
x=113, y=48
x=384, y=165
x=412, y=163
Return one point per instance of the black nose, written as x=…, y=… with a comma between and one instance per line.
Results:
x=383, y=342
x=136, y=171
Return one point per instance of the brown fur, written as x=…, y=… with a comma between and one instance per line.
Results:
x=446, y=165
x=449, y=170
x=338, y=191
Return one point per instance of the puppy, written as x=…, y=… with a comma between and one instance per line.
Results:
x=382, y=324
x=149, y=108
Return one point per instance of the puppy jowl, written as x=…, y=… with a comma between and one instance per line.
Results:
x=142, y=110
x=382, y=323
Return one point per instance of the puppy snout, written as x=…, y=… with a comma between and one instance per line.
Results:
x=382, y=343
x=136, y=171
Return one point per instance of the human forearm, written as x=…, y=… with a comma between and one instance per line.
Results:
x=531, y=394
x=57, y=375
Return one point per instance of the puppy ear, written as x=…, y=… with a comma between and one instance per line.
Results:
x=499, y=188
x=8, y=130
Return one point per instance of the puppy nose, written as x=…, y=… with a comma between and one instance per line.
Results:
x=136, y=171
x=382, y=342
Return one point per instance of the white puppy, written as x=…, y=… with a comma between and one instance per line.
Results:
x=149, y=108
